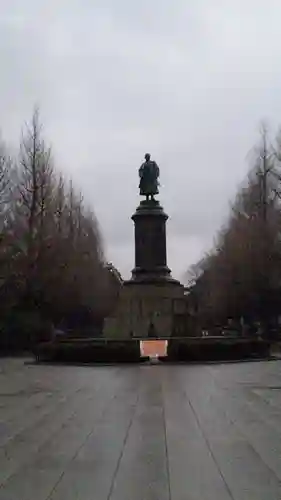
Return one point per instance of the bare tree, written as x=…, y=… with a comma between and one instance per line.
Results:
x=52, y=264
x=6, y=183
x=36, y=184
x=196, y=270
x=244, y=275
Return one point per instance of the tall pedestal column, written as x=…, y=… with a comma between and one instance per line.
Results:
x=150, y=244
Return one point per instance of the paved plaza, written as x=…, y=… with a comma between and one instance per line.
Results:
x=145, y=432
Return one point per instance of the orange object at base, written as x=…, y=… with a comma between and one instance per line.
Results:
x=153, y=348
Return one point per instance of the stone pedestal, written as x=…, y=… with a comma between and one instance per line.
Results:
x=150, y=243
x=151, y=301
x=146, y=307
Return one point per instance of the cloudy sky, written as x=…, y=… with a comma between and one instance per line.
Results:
x=188, y=81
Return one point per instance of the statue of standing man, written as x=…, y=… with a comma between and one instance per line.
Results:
x=149, y=175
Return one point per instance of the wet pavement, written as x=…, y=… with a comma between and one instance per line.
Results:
x=201, y=432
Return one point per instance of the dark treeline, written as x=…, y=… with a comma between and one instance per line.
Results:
x=52, y=269
x=241, y=276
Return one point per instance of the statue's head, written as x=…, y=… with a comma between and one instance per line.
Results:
x=147, y=156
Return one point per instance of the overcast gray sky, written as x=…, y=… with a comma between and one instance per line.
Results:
x=186, y=80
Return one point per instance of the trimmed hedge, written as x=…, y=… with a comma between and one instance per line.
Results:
x=87, y=352
x=217, y=350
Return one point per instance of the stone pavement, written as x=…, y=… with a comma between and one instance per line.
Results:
x=140, y=432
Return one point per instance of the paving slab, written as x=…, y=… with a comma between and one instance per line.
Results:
x=149, y=432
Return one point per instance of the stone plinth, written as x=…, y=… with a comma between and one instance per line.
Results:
x=141, y=305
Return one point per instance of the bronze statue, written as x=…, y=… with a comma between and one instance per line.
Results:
x=149, y=174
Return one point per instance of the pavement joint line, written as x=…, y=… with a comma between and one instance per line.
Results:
x=209, y=447
x=45, y=414
x=239, y=431
x=111, y=489
x=166, y=442
x=233, y=424
x=100, y=418
x=50, y=437
x=242, y=434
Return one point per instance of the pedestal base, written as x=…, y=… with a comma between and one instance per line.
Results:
x=156, y=277
x=147, y=307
